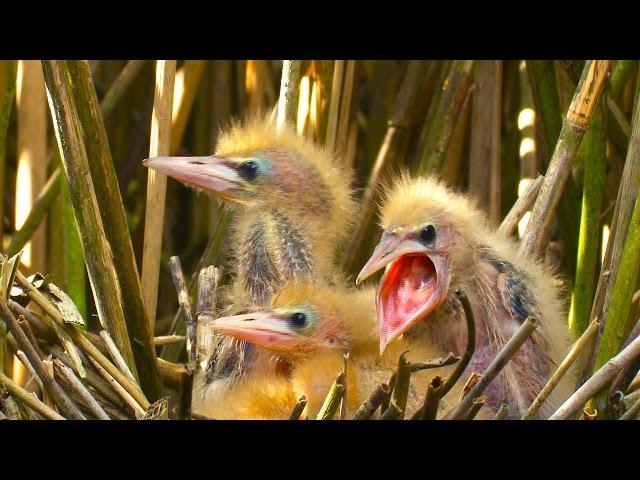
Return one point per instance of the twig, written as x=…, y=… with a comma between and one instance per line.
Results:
x=401, y=387
x=185, y=304
x=393, y=412
x=573, y=129
x=522, y=205
x=371, y=404
x=332, y=400
x=77, y=386
x=598, y=381
x=502, y=412
x=168, y=340
x=432, y=399
x=172, y=374
x=80, y=340
x=471, y=343
x=495, y=367
x=571, y=357
x=157, y=186
x=122, y=393
x=28, y=399
x=115, y=355
x=57, y=394
x=477, y=404
x=449, y=359
x=298, y=409
x=343, y=402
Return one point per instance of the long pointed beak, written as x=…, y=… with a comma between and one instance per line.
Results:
x=391, y=246
x=268, y=329
x=216, y=174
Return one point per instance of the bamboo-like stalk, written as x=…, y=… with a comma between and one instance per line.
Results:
x=21, y=394
x=495, y=367
x=32, y=155
x=298, y=408
x=594, y=150
x=344, y=117
x=522, y=205
x=432, y=399
x=77, y=386
x=157, y=186
x=6, y=105
x=371, y=404
x=115, y=226
x=332, y=400
x=484, y=155
x=186, y=85
x=396, y=132
x=81, y=340
x=435, y=140
x=617, y=325
x=626, y=198
x=60, y=398
x=334, y=105
x=598, y=381
x=121, y=84
x=632, y=412
x=97, y=253
x=289, y=85
x=573, y=129
x=574, y=353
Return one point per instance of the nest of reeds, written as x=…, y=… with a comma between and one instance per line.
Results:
x=483, y=126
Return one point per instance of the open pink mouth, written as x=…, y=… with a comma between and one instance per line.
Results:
x=408, y=292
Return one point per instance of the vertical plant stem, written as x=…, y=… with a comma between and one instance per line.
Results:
x=97, y=254
x=334, y=105
x=6, y=104
x=432, y=399
x=157, y=186
x=32, y=155
x=289, y=85
x=484, y=157
x=573, y=129
x=121, y=84
x=594, y=150
x=115, y=226
x=434, y=140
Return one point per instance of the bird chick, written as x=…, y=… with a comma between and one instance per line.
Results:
x=293, y=206
x=436, y=241
x=314, y=325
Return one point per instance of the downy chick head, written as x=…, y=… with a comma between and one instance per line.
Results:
x=259, y=166
x=430, y=234
x=306, y=318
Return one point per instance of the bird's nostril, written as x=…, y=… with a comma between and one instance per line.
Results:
x=194, y=162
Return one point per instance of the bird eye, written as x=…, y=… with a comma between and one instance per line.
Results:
x=248, y=170
x=298, y=319
x=428, y=234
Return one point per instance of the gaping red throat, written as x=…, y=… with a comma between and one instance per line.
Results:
x=409, y=291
